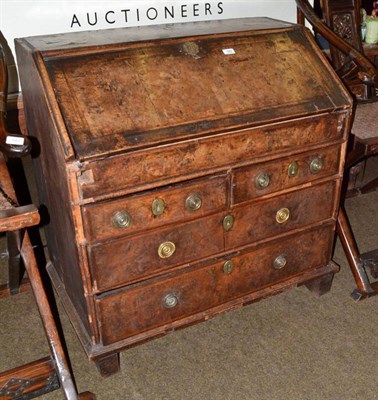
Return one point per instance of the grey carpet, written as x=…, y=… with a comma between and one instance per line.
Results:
x=291, y=346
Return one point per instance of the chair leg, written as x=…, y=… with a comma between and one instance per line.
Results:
x=364, y=287
x=370, y=260
x=15, y=265
x=355, y=174
x=55, y=344
x=369, y=187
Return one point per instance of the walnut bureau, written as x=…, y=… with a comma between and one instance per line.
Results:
x=187, y=170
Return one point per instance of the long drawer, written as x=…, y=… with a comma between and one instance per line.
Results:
x=193, y=158
x=130, y=259
x=127, y=312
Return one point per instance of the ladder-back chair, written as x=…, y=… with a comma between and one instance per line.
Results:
x=360, y=75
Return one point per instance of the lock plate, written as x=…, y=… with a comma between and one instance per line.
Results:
x=158, y=207
x=228, y=222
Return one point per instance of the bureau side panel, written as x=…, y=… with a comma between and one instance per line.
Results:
x=52, y=181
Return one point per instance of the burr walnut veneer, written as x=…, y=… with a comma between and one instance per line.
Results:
x=187, y=170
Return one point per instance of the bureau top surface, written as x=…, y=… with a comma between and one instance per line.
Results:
x=127, y=89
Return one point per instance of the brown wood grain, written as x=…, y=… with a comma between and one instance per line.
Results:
x=40, y=374
x=98, y=217
x=126, y=260
x=163, y=164
x=244, y=180
x=126, y=116
x=52, y=181
x=112, y=102
x=132, y=311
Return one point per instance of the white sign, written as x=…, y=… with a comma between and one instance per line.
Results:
x=28, y=18
x=20, y=18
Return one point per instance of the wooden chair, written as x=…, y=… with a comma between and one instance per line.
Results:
x=47, y=374
x=361, y=76
x=344, y=19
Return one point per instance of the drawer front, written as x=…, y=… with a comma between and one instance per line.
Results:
x=130, y=259
x=268, y=218
x=261, y=179
x=194, y=158
x=129, y=312
x=134, y=214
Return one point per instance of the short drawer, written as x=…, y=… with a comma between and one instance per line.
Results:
x=127, y=312
x=263, y=219
x=264, y=178
x=133, y=214
x=130, y=259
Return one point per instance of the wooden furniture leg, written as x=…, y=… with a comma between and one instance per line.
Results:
x=56, y=347
x=15, y=265
x=108, y=365
x=45, y=375
x=369, y=187
x=356, y=262
x=320, y=286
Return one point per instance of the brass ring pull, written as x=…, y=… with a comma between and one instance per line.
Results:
x=316, y=165
x=279, y=262
x=170, y=300
x=282, y=215
x=262, y=181
x=166, y=249
x=193, y=202
x=121, y=219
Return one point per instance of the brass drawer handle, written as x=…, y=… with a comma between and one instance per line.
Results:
x=282, y=215
x=170, y=300
x=316, y=165
x=262, y=181
x=228, y=222
x=293, y=169
x=121, y=219
x=158, y=207
x=228, y=267
x=193, y=202
x=166, y=249
x=279, y=262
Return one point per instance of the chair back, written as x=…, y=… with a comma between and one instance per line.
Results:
x=344, y=18
x=358, y=73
